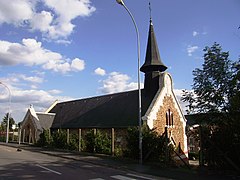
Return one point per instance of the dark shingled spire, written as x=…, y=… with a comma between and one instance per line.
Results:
x=153, y=65
x=152, y=60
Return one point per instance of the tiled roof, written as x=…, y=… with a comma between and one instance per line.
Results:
x=45, y=120
x=114, y=110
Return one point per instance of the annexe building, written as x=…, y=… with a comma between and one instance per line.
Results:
x=114, y=113
x=34, y=123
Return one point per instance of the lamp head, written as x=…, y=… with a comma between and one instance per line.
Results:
x=120, y=2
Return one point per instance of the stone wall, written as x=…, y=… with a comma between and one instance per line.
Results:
x=176, y=131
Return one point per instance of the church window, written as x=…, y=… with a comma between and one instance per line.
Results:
x=169, y=118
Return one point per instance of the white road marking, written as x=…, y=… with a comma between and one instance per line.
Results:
x=120, y=177
x=49, y=169
x=138, y=176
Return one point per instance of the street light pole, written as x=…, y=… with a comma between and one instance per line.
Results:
x=139, y=88
x=8, y=110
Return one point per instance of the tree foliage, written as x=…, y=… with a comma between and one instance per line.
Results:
x=234, y=98
x=45, y=139
x=4, y=122
x=152, y=144
x=97, y=142
x=216, y=94
x=212, y=88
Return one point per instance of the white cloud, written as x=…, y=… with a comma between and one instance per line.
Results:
x=62, y=41
x=195, y=33
x=179, y=93
x=33, y=87
x=23, y=80
x=77, y=64
x=191, y=49
x=17, y=80
x=55, y=24
x=16, y=11
x=55, y=91
x=22, y=98
x=64, y=67
x=30, y=52
x=32, y=79
x=117, y=82
x=42, y=21
x=63, y=25
x=100, y=71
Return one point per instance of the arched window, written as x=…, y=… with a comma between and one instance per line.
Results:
x=169, y=118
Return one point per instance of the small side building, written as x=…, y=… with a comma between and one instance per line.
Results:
x=34, y=123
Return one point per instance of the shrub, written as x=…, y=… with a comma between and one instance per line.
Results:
x=89, y=141
x=2, y=138
x=60, y=139
x=152, y=143
x=102, y=143
x=45, y=139
x=73, y=142
x=98, y=142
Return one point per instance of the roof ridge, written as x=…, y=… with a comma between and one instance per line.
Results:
x=100, y=96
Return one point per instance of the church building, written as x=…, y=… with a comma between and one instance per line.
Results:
x=114, y=113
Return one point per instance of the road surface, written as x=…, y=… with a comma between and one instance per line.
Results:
x=33, y=165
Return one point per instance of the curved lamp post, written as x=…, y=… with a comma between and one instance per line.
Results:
x=8, y=110
x=139, y=89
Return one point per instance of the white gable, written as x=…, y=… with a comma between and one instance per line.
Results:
x=165, y=89
x=32, y=115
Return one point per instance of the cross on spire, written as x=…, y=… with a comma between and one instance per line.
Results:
x=150, y=10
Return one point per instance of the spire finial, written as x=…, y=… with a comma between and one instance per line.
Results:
x=150, y=10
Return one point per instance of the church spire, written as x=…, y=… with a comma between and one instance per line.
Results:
x=153, y=65
x=152, y=60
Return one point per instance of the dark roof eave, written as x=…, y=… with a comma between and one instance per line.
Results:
x=97, y=127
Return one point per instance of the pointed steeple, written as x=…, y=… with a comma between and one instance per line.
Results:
x=153, y=65
x=152, y=60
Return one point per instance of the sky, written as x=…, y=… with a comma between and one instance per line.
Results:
x=72, y=49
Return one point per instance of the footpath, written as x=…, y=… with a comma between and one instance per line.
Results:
x=126, y=164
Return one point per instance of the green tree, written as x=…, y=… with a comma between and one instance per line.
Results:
x=216, y=95
x=234, y=105
x=45, y=140
x=211, y=84
x=4, y=122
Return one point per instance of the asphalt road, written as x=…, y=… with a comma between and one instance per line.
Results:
x=33, y=165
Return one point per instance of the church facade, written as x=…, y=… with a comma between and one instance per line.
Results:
x=164, y=114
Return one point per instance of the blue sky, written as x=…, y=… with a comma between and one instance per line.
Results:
x=70, y=49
